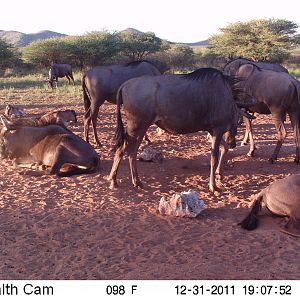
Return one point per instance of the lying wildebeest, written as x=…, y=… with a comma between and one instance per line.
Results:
x=231, y=69
x=58, y=71
x=58, y=117
x=281, y=198
x=186, y=103
x=276, y=93
x=101, y=83
x=52, y=146
x=13, y=111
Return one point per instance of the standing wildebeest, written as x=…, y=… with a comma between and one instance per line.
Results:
x=276, y=93
x=58, y=71
x=231, y=69
x=201, y=100
x=101, y=83
x=281, y=198
x=52, y=146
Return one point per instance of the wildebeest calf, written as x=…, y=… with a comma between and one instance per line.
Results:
x=53, y=146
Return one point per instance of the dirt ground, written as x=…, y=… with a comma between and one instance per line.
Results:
x=77, y=228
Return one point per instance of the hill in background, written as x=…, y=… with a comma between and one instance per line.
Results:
x=20, y=39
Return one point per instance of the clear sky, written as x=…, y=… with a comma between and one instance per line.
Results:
x=174, y=20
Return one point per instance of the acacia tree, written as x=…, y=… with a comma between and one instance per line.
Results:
x=136, y=46
x=7, y=53
x=262, y=39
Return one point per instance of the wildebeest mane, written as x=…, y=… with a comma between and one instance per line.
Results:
x=136, y=63
x=203, y=73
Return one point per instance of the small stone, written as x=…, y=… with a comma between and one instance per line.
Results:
x=186, y=204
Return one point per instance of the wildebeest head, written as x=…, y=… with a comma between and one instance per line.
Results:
x=6, y=137
x=230, y=135
x=13, y=111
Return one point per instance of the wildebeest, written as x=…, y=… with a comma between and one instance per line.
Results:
x=58, y=117
x=58, y=71
x=276, y=93
x=101, y=83
x=62, y=117
x=53, y=146
x=231, y=69
x=281, y=198
x=13, y=111
x=201, y=100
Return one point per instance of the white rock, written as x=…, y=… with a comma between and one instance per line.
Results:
x=150, y=154
x=186, y=204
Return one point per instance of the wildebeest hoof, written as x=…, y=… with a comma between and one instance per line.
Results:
x=250, y=154
x=138, y=185
x=243, y=143
x=272, y=160
x=113, y=185
x=219, y=176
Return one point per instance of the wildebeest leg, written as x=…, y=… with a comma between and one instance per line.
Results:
x=248, y=134
x=91, y=116
x=295, y=124
x=279, y=125
x=69, y=80
x=224, y=150
x=134, y=142
x=71, y=76
x=113, y=173
x=215, y=144
x=292, y=227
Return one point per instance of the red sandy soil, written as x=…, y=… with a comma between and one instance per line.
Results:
x=77, y=228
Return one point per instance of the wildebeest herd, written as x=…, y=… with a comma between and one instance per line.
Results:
x=204, y=100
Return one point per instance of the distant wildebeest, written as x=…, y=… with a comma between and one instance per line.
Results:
x=58, y=71
x=231, y=68
x=58, y=117
x=101, y=83
x=276, y=93
x=200, y=101
x=53, y=146
x=281, y=198
x=13, y=111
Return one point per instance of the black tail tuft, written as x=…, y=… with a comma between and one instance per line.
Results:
x=120, y=134
x=86, y=96
x=251, y=221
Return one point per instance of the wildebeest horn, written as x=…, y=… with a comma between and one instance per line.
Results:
x=6, y=122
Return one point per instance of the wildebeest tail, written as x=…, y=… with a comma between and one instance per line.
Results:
x=86, y=95
x=120, y=134
x=251, y=221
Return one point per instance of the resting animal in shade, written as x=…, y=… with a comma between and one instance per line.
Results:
x=282, y=198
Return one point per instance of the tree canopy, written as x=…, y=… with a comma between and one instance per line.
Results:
x=262, y=39
x=7, y=52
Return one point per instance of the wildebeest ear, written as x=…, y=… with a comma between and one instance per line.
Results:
x=6, y=122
